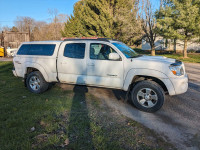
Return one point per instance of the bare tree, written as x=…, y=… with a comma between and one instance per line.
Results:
x=57, y=23
x=1, y=28
x=5, y=28
x=40, y=31
x=149, y=24
x=54, y=20
x=62, y=19
x=25, y=24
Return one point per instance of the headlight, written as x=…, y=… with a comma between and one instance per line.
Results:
x=177, y=70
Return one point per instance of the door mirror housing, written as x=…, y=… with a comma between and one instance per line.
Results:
x=114, y=56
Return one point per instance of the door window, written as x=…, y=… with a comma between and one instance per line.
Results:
x=100, y=51
x=75, y=50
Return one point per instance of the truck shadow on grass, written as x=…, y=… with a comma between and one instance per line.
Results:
x=79, y=130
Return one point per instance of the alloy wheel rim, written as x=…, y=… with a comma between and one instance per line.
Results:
x=34, y=83
x=147, y=97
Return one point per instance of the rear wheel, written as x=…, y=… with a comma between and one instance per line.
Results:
x=36, y=83
x=147, y=96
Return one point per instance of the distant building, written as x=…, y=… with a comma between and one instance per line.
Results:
x=13, y=39
x=171, y=45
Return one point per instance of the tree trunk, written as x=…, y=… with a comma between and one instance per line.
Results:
x=153, y=52
x=185, y=49
x=174, y=45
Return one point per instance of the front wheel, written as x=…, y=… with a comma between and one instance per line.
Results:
x=36, y=83
x=147, y=96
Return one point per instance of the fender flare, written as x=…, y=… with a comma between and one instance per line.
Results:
x=142, y=72
x=38, y=67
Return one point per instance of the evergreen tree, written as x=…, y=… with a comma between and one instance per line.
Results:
x=73, y=26
x=104, y=18
x=180, y=19
x=14, y=29
x=127, y=27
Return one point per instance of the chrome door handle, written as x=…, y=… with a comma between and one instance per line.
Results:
x=112, y=75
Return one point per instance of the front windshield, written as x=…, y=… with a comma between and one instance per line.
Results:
x=127, y=51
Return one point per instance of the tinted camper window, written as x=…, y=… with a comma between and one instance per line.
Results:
x=37, y=49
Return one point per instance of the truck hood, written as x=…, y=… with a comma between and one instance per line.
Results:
x=156, y=59
x=158, y=63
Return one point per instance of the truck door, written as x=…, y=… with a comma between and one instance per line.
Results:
x=100, y=70
x=71, y=63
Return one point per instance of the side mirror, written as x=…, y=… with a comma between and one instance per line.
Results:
x=114, y=56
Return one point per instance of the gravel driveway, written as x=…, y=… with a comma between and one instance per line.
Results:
x=179, y=119
x=6, y=58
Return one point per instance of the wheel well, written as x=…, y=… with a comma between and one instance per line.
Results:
x=158, y=81
x=29, y=70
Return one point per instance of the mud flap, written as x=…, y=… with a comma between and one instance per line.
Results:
x=25, y=81
x=127, y=94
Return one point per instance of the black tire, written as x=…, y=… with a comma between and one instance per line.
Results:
x=43, y=84
x=156, y=89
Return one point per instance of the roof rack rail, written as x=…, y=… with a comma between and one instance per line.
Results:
x=108, y=39
x=88, y=38
x=116, y=40
x=104, y=39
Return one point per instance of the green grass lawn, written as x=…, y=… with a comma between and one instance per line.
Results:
x=192, y=57
x=64, y=119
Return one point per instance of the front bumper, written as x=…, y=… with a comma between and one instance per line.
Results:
x=180, y=84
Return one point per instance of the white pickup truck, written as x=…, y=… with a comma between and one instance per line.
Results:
x=102, y=63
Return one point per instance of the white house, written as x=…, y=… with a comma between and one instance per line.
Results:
x=163, y=44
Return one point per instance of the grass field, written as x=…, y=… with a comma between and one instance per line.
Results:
x=192, y=57
x=64, y=119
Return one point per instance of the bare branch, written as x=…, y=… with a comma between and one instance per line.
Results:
x=149, y=22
